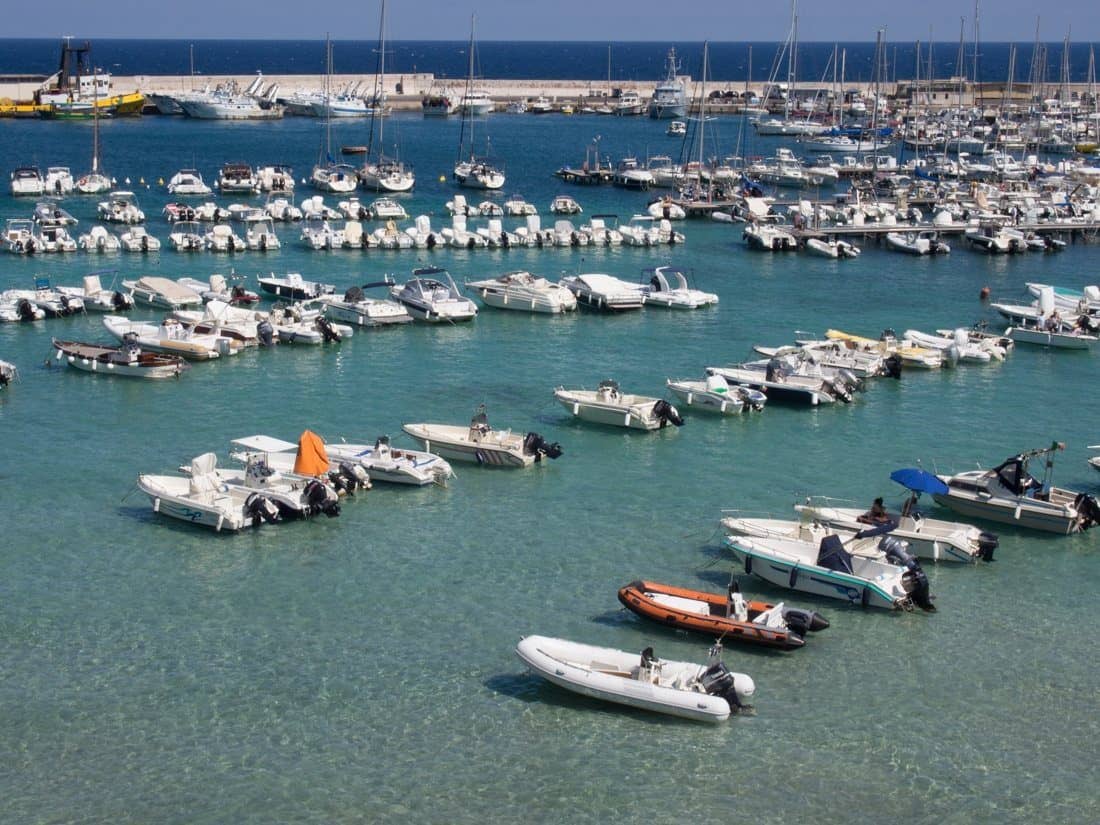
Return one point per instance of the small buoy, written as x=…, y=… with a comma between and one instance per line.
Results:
x=442, y=178
x=160, y=181
x=985, y=293
x=140, y=180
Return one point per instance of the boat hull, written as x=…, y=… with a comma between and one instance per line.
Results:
x=1025, y=516
x=437, y=440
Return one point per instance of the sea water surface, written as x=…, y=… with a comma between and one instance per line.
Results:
x=361, y=669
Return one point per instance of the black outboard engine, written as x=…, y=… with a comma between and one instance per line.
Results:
x=987, y=543
x=26, y=310
x=838, y=388
x=353, y=295
x=667, y=414
x=1088, y=511
x=328, y=331
x=260, y=508
x=891, y=367
x=804, y=621
x=120, y=300
x=349, y=477
x=717, y=680
x=534, y=444
x=918, y=588
x=266, y=333
x=320, y=499
x=66, y=308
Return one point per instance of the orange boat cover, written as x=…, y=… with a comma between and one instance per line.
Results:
x=312, y=460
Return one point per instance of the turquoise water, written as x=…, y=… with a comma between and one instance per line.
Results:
x=362, y=668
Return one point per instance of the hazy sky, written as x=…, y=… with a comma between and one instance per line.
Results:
x=656, y=20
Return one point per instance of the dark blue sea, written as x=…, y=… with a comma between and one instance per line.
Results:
x=632, y=61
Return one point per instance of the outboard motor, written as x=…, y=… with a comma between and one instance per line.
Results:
x=951, y=356
x=718, y=680
x=667, y=414
x=120, y=300
x=892, y=366
x=987, y=543
x=26, y=310
x=352, y=476
x=328, y=331
x=320, y=499
x=259, y=508
x=534, y=444
x=918, y=588
x=266, y=333
x=1088, y=511
x=804, y=621
x=838, y=388
x=66, y=308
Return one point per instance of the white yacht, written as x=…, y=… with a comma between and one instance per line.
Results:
x=431, y=295
x=293, y=286
x=478, y=173
x=59, y=181
x=27, y=180
x=629, y=174
x=525, y=292
x=481, y=444
x=19, y=236
x=608, y=405
x=768, y=238
x=188, y=182
x=604, y=292
x=275, y=178
x=359, y=309
x=237, y=177
x=335, y=177
x=476, y=102
x=1009, y=494
x=565, y=205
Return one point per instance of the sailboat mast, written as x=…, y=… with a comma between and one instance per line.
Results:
x=379, y=82
x=467, y=117
x=95, y=120
x=703, y=117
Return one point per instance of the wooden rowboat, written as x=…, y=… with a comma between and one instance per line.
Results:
x=730, y=617
x=128, y=359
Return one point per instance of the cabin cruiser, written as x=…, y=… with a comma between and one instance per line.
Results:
x=59, y=181
x=125, y=360
x=171, y=337
x=233, y=500
x=431, y=295
x=995, y=239
x=98, y=239
x=1009, y=494
x=565, y=205
x=871, y=572
x=237, y=177
x=604, y=292
x=917, y=243
x=667, y=286
x=293, y=286
x=715, y=394
x=275, y=179
x=482, y=444
x=96, y=298
x=703, y=693
x=525, y=292
x=120, y=207
x=608, y=405
x=387, y=209
x=27, y=180
x=188, y=182
x=137, y=239
x=676, y=129
x=629, y=174
x=359, y=309
x=768, y=237
x=162, y=293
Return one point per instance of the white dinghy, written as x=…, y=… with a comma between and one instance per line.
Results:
x=707, y=693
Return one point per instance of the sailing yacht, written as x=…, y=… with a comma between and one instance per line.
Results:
x=327, y=175
x=380, y=173
x=787, y=126
x=473, y=172
x=95, y=181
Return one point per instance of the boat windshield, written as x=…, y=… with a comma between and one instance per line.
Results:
x=1014, y=476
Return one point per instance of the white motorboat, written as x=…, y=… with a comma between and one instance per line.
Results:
x=608, y=405
x=872, y=572
x=96, y=298
x=237, y=177
x=188, y=182
x=478, y=173
x=927, y=538
x=171, y=337
x=604, y=292
x=995, y=239
x=517, y=207
x=294, y=287
x=705, y=693
x=386, y=209
x=361, y=310
x=98, y=239
x=221, y=238
x=768, y=238
x=162, y=293
x=525, y=292
x=1081, y=301
x=187, y=236
x=1009, y=494
x=27, y=180
x=8, y=373
x=302, y=323
x=137, y=239
x=791, y=381
x=629, y=174
x=218, y=288
x=431, y=295
x=335, y=177
x=281, y=209
x=59, y=180
x=911, y=356
x=676, y=128
x=275, y=179
x=565, y=205
x=666, y=208
x=1059, y=338
x=233, y=500
x=54, y=303
x=667, y=286
x=481, y=444
x=958, y=347
x=19, y=236
x=273, y=460
x=125, y=360
x=715, y=394
x=16, y=307
x=49, y=213
x=223, y=319
x=917, y=243
x=120, y=207
x=54, y=239
x=837, y=355
x=476, y=102
x=831, y=249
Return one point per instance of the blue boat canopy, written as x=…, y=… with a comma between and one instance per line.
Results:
x=918, y=480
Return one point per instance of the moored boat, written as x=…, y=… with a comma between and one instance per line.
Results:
x=481, y=444
x=127, y=359
x=608, y=405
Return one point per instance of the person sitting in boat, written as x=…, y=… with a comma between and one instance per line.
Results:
x=877, y=514
x=1053, y=322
